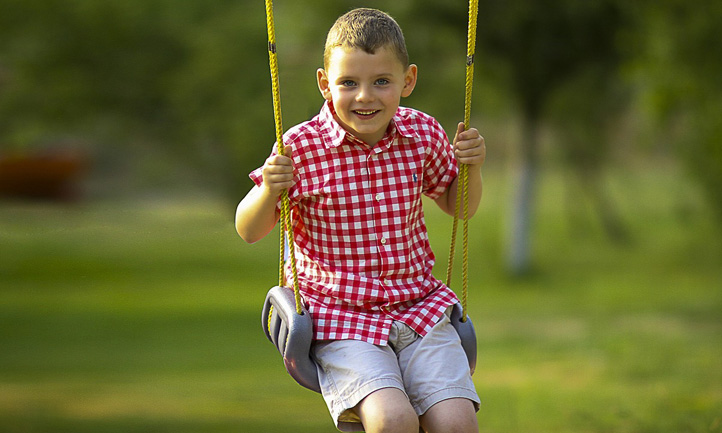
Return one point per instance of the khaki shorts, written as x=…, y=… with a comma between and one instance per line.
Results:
x=428, y=370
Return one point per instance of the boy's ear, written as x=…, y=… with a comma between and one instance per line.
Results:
x=410, y=80
x=323, y=83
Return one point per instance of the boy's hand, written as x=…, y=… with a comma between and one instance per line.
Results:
x=469, y=147
x=277, y=172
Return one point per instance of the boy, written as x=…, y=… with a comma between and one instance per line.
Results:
x=387, y=355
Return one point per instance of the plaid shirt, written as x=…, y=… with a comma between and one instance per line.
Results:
x=362, y=250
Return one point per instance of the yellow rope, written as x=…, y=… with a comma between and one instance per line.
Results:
x=286, y=228
x=463, y=179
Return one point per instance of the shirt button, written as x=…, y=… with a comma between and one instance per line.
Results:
x=378, y=197
x=383, y=241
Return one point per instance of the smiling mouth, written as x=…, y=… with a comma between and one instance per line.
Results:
x=366, y=113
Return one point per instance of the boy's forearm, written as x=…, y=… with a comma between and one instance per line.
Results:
x=256, y=214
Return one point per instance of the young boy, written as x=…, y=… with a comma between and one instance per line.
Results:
x=387, y=355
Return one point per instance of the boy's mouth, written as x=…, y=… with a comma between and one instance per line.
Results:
x=365, y=113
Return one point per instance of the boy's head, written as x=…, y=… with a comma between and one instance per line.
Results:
x=366, y=72
x=367, y=30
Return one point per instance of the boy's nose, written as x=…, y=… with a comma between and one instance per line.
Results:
x=365, y=94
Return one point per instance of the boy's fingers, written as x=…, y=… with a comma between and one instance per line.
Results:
x=280, y=168
x=470, y=143
x=284, y=159
x=470, y=134
x=466, y=134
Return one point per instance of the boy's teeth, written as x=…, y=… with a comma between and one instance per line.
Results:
x=365, y=113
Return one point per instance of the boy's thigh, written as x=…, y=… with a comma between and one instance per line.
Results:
x=351, y=370
x=435, y=368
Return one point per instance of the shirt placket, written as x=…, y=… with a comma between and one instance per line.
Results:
x=377, y=172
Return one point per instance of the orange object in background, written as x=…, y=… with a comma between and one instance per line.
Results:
x=50, y=176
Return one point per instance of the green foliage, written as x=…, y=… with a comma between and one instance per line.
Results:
x=545, y=44
x=678, y=70
x=175, y=75
x=187, y=82
x=70, y=65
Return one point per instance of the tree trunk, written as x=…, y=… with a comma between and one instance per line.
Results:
x=519, y=254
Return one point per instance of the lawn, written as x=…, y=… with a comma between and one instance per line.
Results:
x=144, y=316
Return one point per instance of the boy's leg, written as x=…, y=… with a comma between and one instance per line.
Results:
x=387, y=410
x=438, y=383
x=359, y=378
x=456, y=415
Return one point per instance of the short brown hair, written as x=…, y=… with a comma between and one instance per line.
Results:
x=368, y=30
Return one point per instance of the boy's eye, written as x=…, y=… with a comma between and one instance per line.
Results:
x=348, y=83
x=382, y=81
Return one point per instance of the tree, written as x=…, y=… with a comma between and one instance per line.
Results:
x=134, y=79
x=71, y=65
x=540, y=47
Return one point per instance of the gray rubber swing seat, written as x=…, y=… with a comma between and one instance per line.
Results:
x=292, y=334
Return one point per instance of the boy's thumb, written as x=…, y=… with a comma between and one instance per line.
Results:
x=288, y=151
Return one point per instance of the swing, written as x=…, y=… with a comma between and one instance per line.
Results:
x=286, y=322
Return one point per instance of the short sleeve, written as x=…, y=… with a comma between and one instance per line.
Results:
x=440, y=167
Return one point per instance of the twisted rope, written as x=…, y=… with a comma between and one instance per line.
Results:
x=462, y=192
x=286, y=237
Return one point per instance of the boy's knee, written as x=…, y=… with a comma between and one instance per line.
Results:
x=388, y=411
x=455, y=415
x=396, y=421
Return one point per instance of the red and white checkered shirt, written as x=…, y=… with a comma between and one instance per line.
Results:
x=362, y=250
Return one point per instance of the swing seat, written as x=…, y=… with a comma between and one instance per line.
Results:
x=467, y=335
x=292, y=334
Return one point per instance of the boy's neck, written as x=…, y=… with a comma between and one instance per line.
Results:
x=389, y=130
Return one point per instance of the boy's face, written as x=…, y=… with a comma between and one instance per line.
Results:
x=365, y=89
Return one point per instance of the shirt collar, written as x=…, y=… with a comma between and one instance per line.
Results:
x=337, y=134
x=332, y=129
x=403, y=127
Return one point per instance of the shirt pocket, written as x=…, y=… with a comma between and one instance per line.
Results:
x=406, y=189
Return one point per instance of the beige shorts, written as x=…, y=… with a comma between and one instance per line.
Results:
x=428, y=370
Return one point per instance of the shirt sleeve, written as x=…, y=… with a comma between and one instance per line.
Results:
x=440, y=166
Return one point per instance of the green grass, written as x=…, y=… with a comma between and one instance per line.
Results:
x=145, y=317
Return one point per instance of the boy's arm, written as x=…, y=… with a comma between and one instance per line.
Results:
x=469, y=149
x=256, y=214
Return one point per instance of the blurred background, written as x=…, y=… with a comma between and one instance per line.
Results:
x=127, y=130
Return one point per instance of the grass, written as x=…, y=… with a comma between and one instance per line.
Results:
x=145, y=317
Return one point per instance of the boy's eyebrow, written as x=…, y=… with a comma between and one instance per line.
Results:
x=351, y=77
